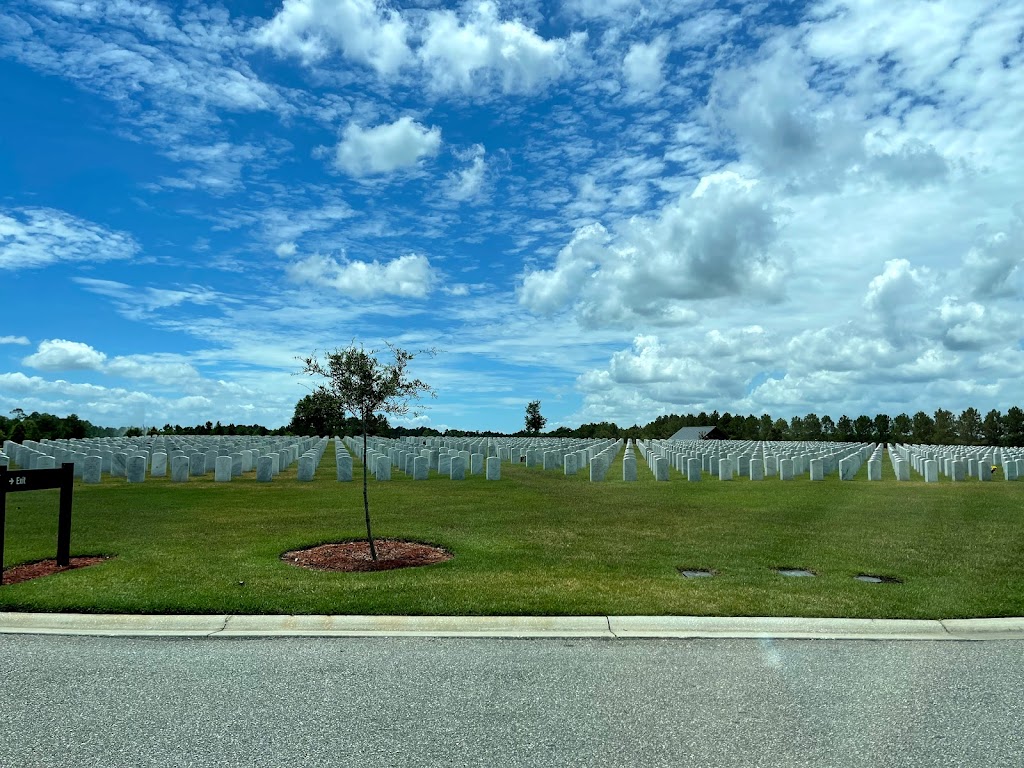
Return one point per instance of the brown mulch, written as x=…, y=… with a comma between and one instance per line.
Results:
x=355, y=556
x=26, y=571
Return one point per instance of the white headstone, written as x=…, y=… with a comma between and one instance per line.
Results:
x=222, y=470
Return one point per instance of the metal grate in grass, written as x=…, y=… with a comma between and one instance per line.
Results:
x=870, y=578
x=696, y=573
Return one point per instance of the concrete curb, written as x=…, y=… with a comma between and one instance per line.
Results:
x=611, y=627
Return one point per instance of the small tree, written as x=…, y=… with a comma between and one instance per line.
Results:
x=358, y=383
x=534, y=421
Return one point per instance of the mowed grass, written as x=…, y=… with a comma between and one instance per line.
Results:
x=534, y=543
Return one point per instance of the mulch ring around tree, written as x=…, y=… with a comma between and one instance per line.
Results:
x=27, y=571
x=352, y=556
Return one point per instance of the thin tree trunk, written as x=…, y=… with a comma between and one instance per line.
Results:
x=366, y=502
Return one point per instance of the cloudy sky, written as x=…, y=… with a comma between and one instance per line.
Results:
x=619, y=208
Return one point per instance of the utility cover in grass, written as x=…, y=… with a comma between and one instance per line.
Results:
x=872, y=579
x=696, y=573
x=795, y=572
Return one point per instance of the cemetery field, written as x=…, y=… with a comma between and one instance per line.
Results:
x=537, y=543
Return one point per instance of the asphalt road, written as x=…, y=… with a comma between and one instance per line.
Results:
x=88, y=701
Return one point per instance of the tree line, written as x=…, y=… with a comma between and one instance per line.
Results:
x=46, y=426
x=942, y=427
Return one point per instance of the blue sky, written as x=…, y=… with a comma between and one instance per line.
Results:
x=622, y=209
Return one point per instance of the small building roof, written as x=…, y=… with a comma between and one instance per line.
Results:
x=699, y=433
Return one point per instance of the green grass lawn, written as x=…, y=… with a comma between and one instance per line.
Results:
x=534, y=543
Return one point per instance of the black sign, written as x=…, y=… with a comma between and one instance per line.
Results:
x=31, y=480
x=40, y=480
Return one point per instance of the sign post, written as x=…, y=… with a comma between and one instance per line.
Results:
x=39, y=480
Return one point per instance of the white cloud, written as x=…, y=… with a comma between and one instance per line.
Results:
x=463, y=51
x=14, y=340
x=286, y=250
x=385, y=148
x=117, y=406
x=365, y=31
x=168, y=76
x=62, y=355
x=217, y=168
x=136, y=302
x=992, y=269
x=467, y=183
x=719, y=241
x=898, y=286
x=972, y=326
x=642, y=67
x=460, y=55
x=409, y=276
x=167, y=370
x=37, y=237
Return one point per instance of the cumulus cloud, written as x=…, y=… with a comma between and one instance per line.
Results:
x=454, y=51
x=462, y=54
x=719, y=241
x=972, y=326
x=898, y=286
x=385, y=148
x=14, y=340
x=63, y=355
x=409, y=276
x=120, y=406
x=163, y=368
x=37, y=237
x=365, y=31
x=642, y=66
x=992, y=268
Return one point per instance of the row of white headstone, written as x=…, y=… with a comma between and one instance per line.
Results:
x=228, y=457
x=455, y=459
x=758, y=460
x=956, y=462
x=183, y=457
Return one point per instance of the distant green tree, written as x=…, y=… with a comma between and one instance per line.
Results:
x=968, y=427
x=992, y=428
x=1013, y=427
x=812, y=427
x=882, y=428
x=796, y=428
x=75, y=428
x=828, y=428
x=19, y=432
x=862, y=429
x=316, y=414
x=534, y=421
x=844, y=429
x=902, y=427
x=945, y=428
x=923, y=428
x=133, y=432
